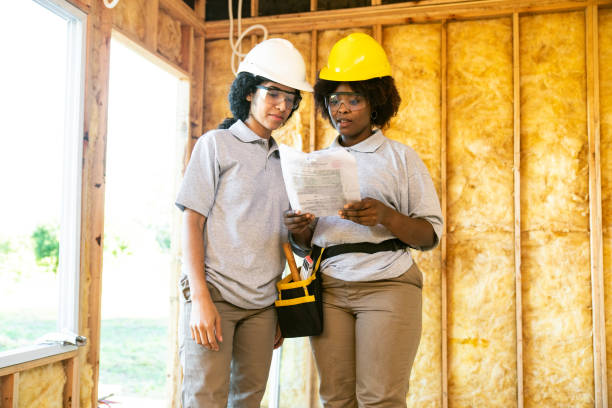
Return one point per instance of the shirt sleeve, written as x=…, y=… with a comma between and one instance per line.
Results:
x=422, y=202
x=197, y=191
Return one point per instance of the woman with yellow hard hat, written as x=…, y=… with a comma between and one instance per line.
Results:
x=232, y=197
x=371, y=285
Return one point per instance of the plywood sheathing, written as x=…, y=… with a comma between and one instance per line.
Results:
x=129, y=17
x=481, y=308
x=42, y=387
x=605, y=92
x=558, y=348
x=414, y=54
x=169, y=37
x=325, y=133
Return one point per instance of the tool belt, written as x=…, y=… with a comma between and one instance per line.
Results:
x=299, y=305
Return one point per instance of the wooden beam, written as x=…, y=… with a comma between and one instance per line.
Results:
x=254, y=8
x=181, y=11
x=443, y=200
x=595, y=212
x=200, y=9
x=376, y=2
x=28, y=365
x=10, y=391
x=187, y=48
x=151, y=22
x=83, y=5
x=197, y=90
x=377, y=32
x=99, y=26
x=401, y=13
x=313, y=78
x=313, y=5
x=71, y=388
x=517, y=208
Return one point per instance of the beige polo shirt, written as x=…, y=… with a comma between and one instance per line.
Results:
x=234, y=179
x=394, y=174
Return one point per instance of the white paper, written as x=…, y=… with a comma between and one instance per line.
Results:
x=321, y=182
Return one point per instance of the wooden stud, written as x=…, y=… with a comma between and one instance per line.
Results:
x=200, y=9
x=254, y=8
x=377, y=32
x=595, y=211
x=71, y=388
x=28, y=365
x=517, y=209
x=376, y=2
x=187, y=48
x=313, y=78
x=399, y=13
x=10, y=391
x=151, y=21
x=83, y=5
x=99, y=26
x=313, y=5
x=443, y=199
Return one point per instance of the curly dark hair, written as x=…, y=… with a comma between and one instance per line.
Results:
x=381, y=93
x=243, y=85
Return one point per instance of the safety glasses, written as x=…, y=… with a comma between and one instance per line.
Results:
x=352, y=101
x=275, y=96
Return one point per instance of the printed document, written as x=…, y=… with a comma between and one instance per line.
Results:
x=321, y=182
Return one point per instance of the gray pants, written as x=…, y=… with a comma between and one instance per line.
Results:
x=370, y=338
x=236, y=375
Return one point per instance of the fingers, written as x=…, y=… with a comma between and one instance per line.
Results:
x=296, y=221
x=212, y=339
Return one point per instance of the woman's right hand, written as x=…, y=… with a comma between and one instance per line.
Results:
x=205, y=323
x=297, y=223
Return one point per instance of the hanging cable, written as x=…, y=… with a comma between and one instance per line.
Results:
x=236, y=47
x=111, y=3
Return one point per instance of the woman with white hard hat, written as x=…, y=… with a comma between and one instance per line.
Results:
x=233, y=197
x=371, y=285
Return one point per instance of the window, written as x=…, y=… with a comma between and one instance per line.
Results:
x=40, y=174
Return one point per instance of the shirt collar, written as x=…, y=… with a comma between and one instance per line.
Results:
x=369, y=145
x=243, y=132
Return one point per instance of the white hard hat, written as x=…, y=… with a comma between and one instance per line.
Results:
x=277, y=60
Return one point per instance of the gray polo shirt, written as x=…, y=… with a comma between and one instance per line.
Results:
x=394, y=174
x=234, y=179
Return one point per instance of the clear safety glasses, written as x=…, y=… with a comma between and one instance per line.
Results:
x=275, y=96
x=352, y=101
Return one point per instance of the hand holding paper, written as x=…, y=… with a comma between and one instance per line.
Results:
x=320, y=182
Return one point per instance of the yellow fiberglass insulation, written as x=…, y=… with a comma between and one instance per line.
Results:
x=296, y=131
x=325, y=41
x=169, y=37
x=480, y=126
x=557, y=324
x=481, y=320
x=605, y=92
x=480, y=271
x=414, y=54
x=129, y=16
x=42, y=387
x=554, y=145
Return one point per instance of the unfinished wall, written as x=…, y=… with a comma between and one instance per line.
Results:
x=605, y=92
x=554, y=209
x=42, y=387
x=414, y=54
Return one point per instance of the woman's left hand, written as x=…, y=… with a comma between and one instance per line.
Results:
x=278, y=338
x=368, y=211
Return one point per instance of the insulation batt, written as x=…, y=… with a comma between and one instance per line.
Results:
x=557, y=306
x=414, y=54
x=129, y=16
x=605, y=92
x=325, y=133
x=169, y=37
x=42, y=387
x=480, y=251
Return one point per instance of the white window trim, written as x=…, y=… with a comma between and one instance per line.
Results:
x=70, y=233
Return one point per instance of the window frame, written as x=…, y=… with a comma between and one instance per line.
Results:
x=70, y=224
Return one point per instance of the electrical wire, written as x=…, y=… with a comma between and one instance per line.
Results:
x=236, y=47
x=110, y=4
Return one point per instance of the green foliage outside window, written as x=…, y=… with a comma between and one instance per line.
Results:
x=46, y=247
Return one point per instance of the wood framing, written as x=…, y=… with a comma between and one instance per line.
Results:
x=518, y=286
x=71, y=388
x=401, y=13
x=200, y=9
x=151, y=17
x=10, y=391
x=181, y=11
x=312, y=79
x=5, y=371
x=187, y=48
x=595, y=211
x=443, y=204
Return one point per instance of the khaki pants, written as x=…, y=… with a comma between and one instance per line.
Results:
x=370, y=338
x=236, y=375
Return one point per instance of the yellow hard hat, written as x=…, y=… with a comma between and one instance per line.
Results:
x=356, y=57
